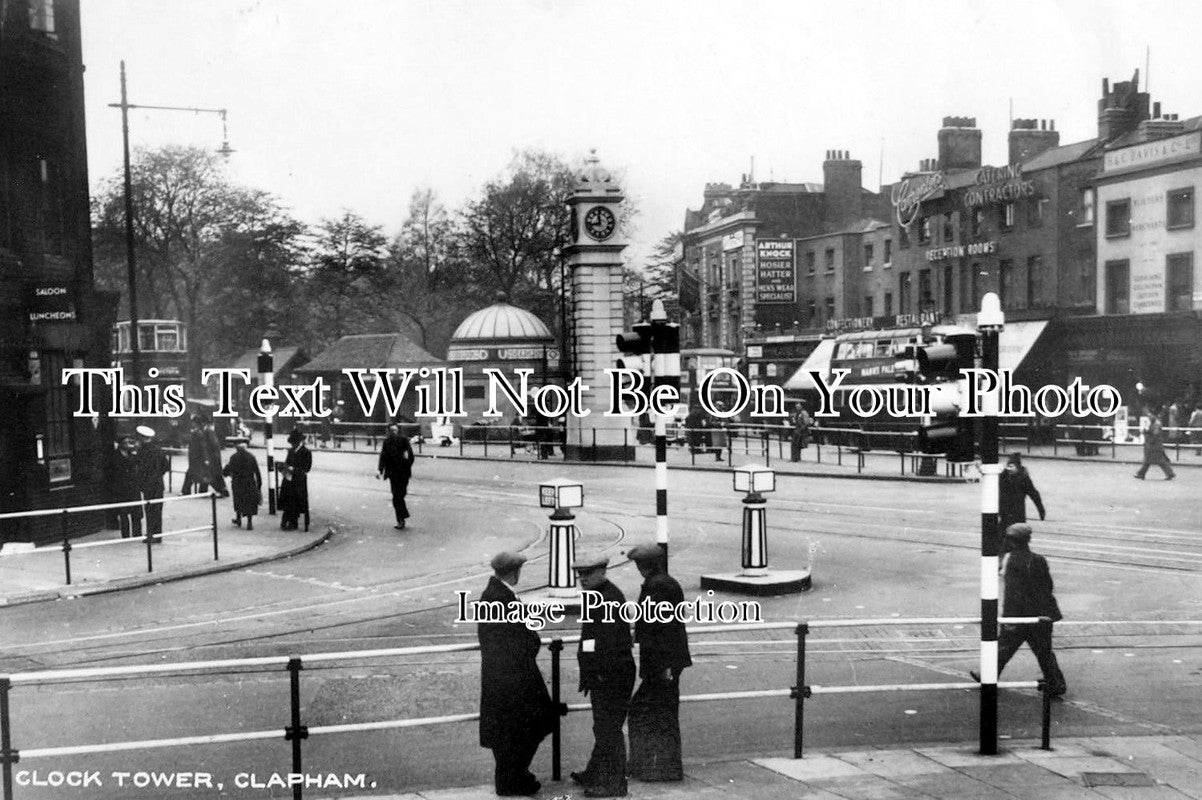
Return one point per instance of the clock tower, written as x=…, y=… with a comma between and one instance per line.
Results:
x=594, y=257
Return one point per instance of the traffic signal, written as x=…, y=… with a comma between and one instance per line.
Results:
x=945, y=432
x=635, y=348
x=665, y=339
x=928, y=363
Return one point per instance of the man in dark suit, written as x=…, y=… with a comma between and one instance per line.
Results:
x=1014, y=487
x=515, y=707
x=607, y=672
x=1028, y=593
x=396, y=464
x=654, y=722
x=152, y=466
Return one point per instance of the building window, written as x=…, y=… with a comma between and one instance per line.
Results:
x=888, y=252
x=888, y=304
x=1180, y=267
x=810, y=262
x=1118, y=287
x=1181, y=208
x=868, y=305
x=977, y=221
x=868, y=253
x=1007, y=216
x=1036, y=210
x=1005, y=280
x=925, y=299
x=58, y=418
x=41, y=16
x=830, y=308
x=948, y=289
x=949, y=228
x=1035, y=279
x=1085, y=211
x=812, y=312
x=976, y=285
x=51, y=201
x=924, y=232
x=965, y=283
x=830, y=259
x=1118, y=218
x=903, y=236
x=903, y=293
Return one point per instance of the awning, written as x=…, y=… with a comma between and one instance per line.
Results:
x=1016, y=341
x=819, y=360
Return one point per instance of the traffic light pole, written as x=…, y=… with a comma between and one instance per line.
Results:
x=990, y=322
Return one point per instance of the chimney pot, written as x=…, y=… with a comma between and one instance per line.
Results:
x=1105, y=86
x=1156, y=110
x=1051, y=124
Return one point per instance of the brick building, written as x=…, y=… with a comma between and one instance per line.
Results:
x=51, y=315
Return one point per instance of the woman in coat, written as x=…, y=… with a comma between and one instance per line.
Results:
x=294, y=493
x=247, y=483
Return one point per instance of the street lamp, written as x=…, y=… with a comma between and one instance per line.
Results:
x=561, y=494
x=130, y=256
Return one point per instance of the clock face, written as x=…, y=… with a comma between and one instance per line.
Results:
x=599, y=223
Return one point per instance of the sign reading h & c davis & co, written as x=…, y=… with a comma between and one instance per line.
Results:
x=776, y=271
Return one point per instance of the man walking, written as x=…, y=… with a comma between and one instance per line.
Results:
x=1014, y=487
x=1028, y=593
x=663, y=654
x=799, y=438
x=152, y=466
x=607, y=672
x=396, y=464
x=1154, y=448
x=515, y=707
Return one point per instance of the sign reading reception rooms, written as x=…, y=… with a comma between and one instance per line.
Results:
x=776, y=271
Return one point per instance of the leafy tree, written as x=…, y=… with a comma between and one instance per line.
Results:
x=342, y=273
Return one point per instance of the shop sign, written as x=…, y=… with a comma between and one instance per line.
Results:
x=910, y=194
x=997, y=185
x=1143, y=155
x=848, y=324
x=776, y=271
x=52, y=302
x=961, y=250
x=505, y=354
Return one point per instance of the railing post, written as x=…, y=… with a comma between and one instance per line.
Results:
x=295, y=732
x=170, y=472
x=800, y=691
x=66, y=545
x=1046, y=722
x=8, y=756
x=556, y=648
x=213, y=506
x=485, y=441
x=511, y=441
x=461, y=438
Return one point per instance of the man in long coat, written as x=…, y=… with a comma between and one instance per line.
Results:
x=125, y=485
x=607, y=672
x=1154, y=454
x=1028, y=593
x=396, y=465
x=515, y=707
x=654, y=722
x=294, y=493
x=152, y=466
x=1014, y=487
x=247, y=483
x=199, y=468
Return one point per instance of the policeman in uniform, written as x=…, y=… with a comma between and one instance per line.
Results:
x=663, y=654
x=607, y=675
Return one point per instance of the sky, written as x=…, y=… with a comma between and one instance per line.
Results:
x=356, y=104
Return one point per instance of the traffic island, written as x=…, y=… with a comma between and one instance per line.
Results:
x=770, y=583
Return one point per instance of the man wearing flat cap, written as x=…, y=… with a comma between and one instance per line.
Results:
x=654, y=722
x=1028, y=593
x=152, y=465
x=515, y=707
x=607, y=674
x=1014, y=487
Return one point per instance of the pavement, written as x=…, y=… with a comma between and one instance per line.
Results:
x=1114, y=768
x=104, y=562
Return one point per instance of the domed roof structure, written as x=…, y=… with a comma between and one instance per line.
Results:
x=501, y=321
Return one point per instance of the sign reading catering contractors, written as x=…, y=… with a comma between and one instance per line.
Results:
x=997, y=185
x=52, y=302
x=1143, y=155
x=732, y=241
x=776, y=271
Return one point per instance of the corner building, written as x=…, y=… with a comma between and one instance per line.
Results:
x=51, y=315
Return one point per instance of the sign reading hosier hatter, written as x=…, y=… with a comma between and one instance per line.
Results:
x=776, y=271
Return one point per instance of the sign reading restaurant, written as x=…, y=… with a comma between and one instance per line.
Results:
x=1143, y=155
x=776, y=271
x=848, y=324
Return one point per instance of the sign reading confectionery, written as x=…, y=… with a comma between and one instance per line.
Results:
x=776, y=271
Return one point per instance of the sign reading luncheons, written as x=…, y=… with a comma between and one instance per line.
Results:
x=776, y=271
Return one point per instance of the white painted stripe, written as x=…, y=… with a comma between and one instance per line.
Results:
x=988, y=669
x=989, y=577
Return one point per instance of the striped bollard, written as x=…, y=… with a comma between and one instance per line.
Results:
x=561, y=495
x=990, y=322
x=267, y=378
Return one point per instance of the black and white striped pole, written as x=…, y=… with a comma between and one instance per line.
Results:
x=665, y=371
x=267, y=378
x=990, y=322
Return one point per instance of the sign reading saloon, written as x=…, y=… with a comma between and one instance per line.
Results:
x=776, y=271
x=52, y=303
x=996, y=185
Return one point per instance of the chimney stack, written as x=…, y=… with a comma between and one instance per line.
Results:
x=1120, y=110
x=1027, y=141
x=960, y=143
x=842, y=189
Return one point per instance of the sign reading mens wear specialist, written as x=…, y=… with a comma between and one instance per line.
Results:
x=776, y=271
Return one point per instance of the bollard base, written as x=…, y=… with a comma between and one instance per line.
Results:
x=773, y=582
